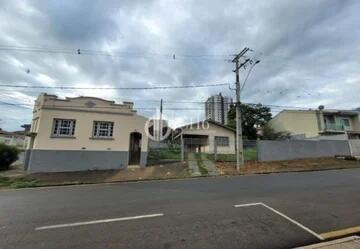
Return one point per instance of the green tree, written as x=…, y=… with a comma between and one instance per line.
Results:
x=268, y=133
x=8, y=155
x=252, y=116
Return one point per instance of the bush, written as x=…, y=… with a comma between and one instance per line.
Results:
x=8, y=155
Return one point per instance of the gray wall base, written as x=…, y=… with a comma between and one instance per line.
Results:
x=66, y=160
x=143, y=159
x=298, y=149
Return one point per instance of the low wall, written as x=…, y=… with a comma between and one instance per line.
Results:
x=298, y=149
x=66, y=160
x=355, y=147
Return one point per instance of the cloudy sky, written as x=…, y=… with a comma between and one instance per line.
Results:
x=309, y=52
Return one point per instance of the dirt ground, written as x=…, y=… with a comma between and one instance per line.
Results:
x=166, y=171
x=254, y=167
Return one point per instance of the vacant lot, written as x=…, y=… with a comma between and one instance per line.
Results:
x=167, y=171
x=255, y=167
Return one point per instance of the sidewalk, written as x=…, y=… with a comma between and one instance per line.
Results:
x=352, y=242
x=209, y=165
x=193, y=165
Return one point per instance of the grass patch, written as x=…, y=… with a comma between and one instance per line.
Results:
x=158, y=155
x=250, y=154
x=203, y=170
x=18, y=182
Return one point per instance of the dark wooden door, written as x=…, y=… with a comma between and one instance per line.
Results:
x=135, y=148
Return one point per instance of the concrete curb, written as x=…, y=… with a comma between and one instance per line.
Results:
x=349, y=242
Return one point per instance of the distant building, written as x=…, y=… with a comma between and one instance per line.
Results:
x=217, y=108
x=16, y=138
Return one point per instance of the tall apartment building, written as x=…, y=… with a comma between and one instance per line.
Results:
x=217, y=107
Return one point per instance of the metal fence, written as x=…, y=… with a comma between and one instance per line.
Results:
x=223, y=152
x=163, y=153
x=249, y=152
x=261, y=150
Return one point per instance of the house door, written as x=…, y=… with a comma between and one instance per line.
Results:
x=135, y=148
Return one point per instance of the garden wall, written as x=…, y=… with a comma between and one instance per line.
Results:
x=298, y=149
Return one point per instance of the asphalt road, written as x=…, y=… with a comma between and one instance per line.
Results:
x=195, y=213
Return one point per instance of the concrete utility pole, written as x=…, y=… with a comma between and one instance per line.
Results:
x=239, y=138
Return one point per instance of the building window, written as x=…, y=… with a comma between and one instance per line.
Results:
x=222, y=141
x=103, y=129
x=64, y=127
x=346, y=123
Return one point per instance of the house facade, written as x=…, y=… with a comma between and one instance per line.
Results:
x=16, y=138
x=85, y=133
x=318, y=124
x=208, y=136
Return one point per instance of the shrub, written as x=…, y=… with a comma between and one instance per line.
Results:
x=8, y=155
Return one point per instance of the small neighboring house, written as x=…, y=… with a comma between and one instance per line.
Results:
x=85, y=133
x=16, y=138
x=318, y=124
x=201, y=137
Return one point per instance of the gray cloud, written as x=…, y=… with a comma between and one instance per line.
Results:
x=308, y=50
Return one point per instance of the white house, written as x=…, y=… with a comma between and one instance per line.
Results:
x=203, y=136
x=85, y=133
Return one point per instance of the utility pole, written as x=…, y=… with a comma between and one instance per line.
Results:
x=239, y=138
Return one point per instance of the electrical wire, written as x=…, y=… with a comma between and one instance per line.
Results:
x=246, y=78
x=80, y=51
x=150, y=108
x=112, y=88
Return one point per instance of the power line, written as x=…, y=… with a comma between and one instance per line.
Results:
x=171, y=108
x=80, y=51
x=112, y=88
x=94, y=107
x=200, y=102
x=15, y=104
x=185, y=102
x=247, y=76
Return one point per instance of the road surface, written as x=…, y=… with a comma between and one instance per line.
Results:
x=260, y=211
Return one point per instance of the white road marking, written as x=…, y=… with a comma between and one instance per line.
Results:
x=99, y=221
x=248, y=204
x=282, y=215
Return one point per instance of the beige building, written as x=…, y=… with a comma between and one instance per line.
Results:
x=322, y=123
x=201, y=137
x=85, y=133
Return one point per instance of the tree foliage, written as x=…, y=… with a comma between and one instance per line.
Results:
x=8, y=155
x=268, y=133
x=252, y=116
